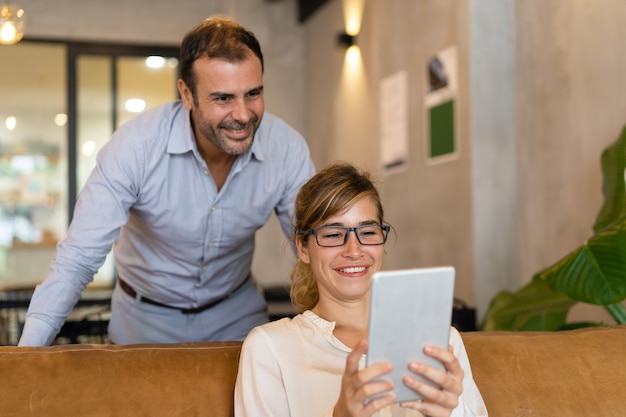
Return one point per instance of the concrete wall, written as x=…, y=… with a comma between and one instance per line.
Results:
x=570, y=105
x=430, y=206
x=541, y=95
x=494, y=151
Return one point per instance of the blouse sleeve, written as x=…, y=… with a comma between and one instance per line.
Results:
x=259, y=391
x=471, y=403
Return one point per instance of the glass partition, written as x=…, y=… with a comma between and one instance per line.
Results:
x=59, y=104
x=144, y=83
x=33, y=159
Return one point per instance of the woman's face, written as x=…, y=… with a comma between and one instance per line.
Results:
x=344, y=273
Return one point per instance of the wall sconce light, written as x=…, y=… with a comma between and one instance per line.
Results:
x=12, y=19
x=345, y=40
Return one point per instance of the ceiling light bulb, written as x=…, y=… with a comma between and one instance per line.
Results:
x=135, y=105
x=10, y=122
x=88, y=148
x=155, y=62
x=11, y=24
x=60, y=119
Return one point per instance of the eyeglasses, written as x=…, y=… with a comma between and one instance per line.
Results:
x=333, y=236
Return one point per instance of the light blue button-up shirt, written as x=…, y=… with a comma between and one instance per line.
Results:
x=176, y=239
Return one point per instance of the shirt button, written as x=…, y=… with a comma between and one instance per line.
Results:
x=213, y=208
x=204, y=268
x=206, y=172
x=210, y=244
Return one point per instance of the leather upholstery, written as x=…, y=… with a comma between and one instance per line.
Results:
x=182, y=380
x=578, y=373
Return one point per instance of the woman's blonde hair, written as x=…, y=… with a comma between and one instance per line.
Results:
x=329, y=192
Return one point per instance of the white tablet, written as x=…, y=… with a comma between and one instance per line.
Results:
x=409, y=309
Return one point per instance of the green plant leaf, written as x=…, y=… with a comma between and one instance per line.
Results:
x=595, y=273
x=613, y=184
x=618, y=311
x=535, y=306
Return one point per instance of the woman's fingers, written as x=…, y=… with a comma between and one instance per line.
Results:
x=441, y=399
x=365, y=391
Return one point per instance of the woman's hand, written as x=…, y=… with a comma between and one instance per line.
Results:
x=358, y=386
x=437, y=402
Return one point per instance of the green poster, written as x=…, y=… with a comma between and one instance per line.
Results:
x=442, y=129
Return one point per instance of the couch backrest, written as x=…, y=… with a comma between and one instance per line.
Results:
x=578, y=373
x=182, y=380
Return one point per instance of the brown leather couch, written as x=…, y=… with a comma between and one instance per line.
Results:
x=553, y=374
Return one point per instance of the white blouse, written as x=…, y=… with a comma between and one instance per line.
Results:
x=293, y=367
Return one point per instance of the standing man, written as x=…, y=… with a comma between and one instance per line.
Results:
x=179, y=193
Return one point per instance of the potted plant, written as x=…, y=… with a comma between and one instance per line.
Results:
x=594, y=273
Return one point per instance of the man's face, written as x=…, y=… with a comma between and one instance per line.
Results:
x=229, y=105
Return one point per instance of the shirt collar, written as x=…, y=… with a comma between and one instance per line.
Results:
x=181, y=139
x=326, y=327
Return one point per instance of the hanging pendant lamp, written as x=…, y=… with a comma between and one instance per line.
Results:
x=11, y=23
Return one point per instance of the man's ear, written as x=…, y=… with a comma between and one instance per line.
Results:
x=185, y=94
x=303, y=250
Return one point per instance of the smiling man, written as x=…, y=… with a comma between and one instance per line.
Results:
x=179, y=193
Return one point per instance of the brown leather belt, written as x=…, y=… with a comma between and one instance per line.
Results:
x=130, y=291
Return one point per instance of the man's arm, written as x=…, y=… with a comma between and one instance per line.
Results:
x=101, y=210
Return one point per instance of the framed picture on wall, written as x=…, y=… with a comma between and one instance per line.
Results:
x=441, y=105
x=393, y=112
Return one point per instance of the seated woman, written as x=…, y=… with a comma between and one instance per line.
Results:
x=314, y=364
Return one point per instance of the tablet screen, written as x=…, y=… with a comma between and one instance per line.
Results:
x=409, y=309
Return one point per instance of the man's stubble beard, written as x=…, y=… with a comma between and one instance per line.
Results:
x=219, y=139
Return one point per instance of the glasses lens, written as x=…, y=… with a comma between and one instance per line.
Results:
x=331, y=236
x=371, y=234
